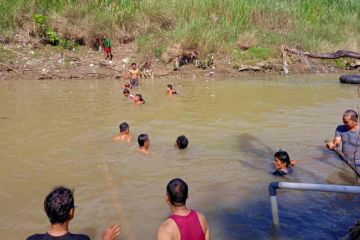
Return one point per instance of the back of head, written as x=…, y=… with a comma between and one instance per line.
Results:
x=142, y=139
x=124, y=126
x=58, y=204
x=182, y=142
x=351, y=114
x=126, y=91
x=177, y=192
x=283, y=157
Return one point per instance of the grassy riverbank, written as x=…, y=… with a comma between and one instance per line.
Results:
x=207, y=26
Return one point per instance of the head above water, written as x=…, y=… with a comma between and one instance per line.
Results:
x=59, y=205
x=182, y=142
x=282, y=158
x=138, y=97
x=350, y=119
x=170, y=87
x=177, y=192
x=126, y=92
x=143, y=140
x=124, y=127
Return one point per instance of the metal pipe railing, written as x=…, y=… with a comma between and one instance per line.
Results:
x=305, y=187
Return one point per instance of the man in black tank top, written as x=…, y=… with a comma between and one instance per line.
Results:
x=60, y=209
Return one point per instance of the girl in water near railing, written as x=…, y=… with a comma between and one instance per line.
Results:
x=282, y=164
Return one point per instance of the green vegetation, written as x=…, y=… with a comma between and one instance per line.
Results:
x=206, y=26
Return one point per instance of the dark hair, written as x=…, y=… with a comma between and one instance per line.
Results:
x=170, y=86
x=140, y=96
x=124, y=126
x=142, y=139
x=58, y=204
x=125, y=91
x=177, y=192
x=133, y=64
x=182, y=142
x=283, y=157
x=352, y=114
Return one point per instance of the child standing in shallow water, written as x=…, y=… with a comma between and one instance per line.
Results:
x=282, y=164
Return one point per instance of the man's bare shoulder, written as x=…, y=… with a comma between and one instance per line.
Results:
x=116, y=138
x=201, y=216
x=203, y=221
x=167, y=230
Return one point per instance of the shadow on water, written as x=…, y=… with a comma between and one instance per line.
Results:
x=260, y=158
x=256, y=151
x=343, y=172
x=305, y=216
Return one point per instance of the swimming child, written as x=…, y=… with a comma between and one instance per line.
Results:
x=124, y=134
x=127, y=94
x=138, y=99
x=170, y=91
x=182, y=142
x=144, y=143
x=127, y=86
x=282, y=164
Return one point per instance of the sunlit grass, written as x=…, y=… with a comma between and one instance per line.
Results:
x=202, y=25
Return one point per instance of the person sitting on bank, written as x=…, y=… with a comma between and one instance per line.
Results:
x=182, y=142
x=184, y=223
x=282, y=164
x=144, y=143
x=59, y=206
x=127, y=94
x=348, y=136
x=138, y=99
x=134, y=75
x=170, y=91
x=124, y=134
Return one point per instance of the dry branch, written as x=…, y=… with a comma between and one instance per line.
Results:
x=334, y=55
x=13, y=69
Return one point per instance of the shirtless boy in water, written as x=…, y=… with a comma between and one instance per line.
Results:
x=124, y=134
x=138, y=99
x=134, y=75
x=144, y=143
x=170, y=91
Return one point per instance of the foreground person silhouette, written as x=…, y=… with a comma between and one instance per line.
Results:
x=59, y=206
x=184, y=223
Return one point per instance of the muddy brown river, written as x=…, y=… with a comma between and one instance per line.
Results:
x=59, y=133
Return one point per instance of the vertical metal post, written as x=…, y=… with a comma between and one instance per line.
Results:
x=275, y=211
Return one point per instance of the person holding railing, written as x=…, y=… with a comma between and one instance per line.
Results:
x=348, y=136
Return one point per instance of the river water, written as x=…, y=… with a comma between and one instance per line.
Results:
x=59, y=133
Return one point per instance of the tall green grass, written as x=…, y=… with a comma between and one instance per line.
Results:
x=202, y=25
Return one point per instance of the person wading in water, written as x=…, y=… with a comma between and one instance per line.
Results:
x=184, y=223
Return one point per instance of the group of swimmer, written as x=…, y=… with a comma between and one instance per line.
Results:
x=144, y=139
x=184, y=223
